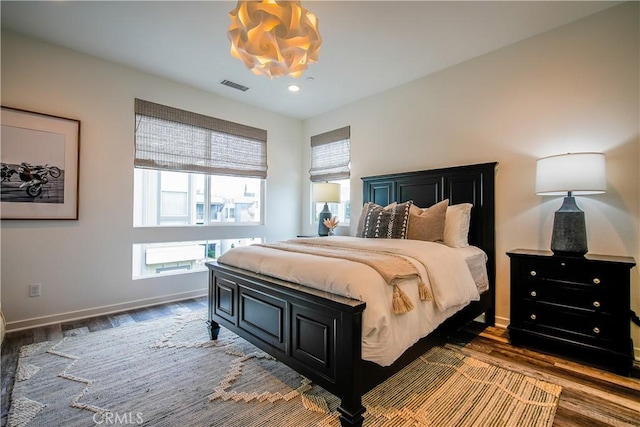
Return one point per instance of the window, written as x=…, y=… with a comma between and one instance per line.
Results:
x=192, y=169
x=330, y=162
x=153, y=259
x=163, y=198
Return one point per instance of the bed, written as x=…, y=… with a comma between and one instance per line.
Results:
x=319, y=333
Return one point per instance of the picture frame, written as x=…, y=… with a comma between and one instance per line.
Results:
x=40, y=163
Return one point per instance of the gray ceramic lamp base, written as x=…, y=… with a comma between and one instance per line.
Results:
x=569, y=236
x=325, y=213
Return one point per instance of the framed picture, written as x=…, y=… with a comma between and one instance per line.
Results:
x=40, y=160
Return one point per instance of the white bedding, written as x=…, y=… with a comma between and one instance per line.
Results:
x=476, y=260
x=385, y=336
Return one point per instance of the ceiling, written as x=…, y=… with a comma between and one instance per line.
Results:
x=368, y=46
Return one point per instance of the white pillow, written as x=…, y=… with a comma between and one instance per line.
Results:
x=456, y=225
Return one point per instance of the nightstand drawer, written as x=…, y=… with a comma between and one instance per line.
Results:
x=570, y=324
x=578, y=296
x=568, y=270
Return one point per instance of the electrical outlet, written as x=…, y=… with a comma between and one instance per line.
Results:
x=34, y=290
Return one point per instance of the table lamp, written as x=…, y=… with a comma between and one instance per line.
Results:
x=573, y=174
x=328, y=193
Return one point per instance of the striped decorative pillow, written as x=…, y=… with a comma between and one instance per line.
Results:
x=385, y=222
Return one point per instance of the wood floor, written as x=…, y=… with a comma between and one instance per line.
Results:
x=590, y=397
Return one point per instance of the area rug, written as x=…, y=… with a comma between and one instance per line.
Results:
x=166, y=372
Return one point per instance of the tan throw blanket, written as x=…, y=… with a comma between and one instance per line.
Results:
x=393, y=268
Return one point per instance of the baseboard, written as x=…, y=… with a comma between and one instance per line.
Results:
x=100, y=311
x=502, y=322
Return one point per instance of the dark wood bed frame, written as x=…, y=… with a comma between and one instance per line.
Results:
x=319, y=334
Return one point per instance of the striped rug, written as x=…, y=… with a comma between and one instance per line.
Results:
x=166, y=372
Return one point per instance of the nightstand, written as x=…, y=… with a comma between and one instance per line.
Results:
x=577, y=307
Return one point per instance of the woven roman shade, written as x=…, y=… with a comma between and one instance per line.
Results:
x=172, y=139
x=330, y=155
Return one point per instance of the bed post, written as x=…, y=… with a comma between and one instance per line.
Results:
x=214, y=329
x=351, y=418
x=349, y=366
x=212, y=325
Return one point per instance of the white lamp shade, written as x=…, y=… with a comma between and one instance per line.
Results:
x=326, y=192
x=580, y=173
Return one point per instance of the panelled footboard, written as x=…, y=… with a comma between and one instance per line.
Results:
x=316, y=333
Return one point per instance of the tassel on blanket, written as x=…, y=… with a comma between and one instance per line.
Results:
x=423, y=291
x=401, y=302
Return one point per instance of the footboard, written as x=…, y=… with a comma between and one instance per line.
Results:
x=315, y=333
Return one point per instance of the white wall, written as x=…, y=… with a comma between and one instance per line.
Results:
x=575, y=88
x=85, y=266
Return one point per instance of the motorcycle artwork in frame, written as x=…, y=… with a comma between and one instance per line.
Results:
x=39, y=166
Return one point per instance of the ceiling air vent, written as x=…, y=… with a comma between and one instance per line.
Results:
x=234, y=85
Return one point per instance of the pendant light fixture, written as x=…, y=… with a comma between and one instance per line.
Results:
x=274, y=38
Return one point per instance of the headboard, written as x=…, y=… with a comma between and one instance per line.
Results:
x=473, y=184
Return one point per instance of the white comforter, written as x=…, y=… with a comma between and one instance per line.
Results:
x=385, y=335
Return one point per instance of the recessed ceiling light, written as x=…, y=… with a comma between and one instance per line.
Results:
x=294, y=88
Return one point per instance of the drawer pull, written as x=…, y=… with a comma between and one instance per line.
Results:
x=534, y=294
x=596, y=304
x=596, y=281
x=596, y=330
x=533, y=317
x=562, y=264
x=533, y=273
